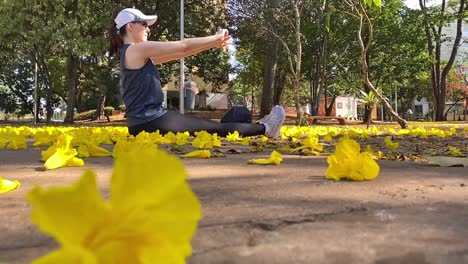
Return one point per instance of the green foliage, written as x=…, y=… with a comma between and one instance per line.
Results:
x=108, y=111
x=51, y=30
x=7, y=100
x=213, y=66
x=398, y=59
x=87, y=115
x=370, y=3
x=18, y=84
x=369, y=99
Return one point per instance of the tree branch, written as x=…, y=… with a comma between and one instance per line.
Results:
x=288, y=51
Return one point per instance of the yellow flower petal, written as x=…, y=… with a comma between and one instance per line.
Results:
x=17, y=141
x=202, y=153
x=328, y=137
x=245, y=141
x=337, y=169
x=162, y=203
x=96, y=151
x=275, y=158
x=170, y=136
x=285, y=148
x=347, y=162
x=83, y=151
x=43, y=138
x=390, y=144
x=347, y=148
x=75, y=162
x=205, y=140
x=59, y=159
x=182, y=138
x=121, y=146
x=369, y=168
x=47, y=153
x=216, y=141
x=151, y=217
x=232, y=136
x=71, y=255
x=68, y=213
x=7, y=185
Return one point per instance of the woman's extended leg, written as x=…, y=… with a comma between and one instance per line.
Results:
x=176, y=122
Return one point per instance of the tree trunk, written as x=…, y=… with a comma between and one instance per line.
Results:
x=45, y=73
x=314, y=94
x=71, y=69
x=100, y=107
x=368, y=112
x=438, y=77
x=324, y=60
x=269, y=74
x=279, y=86
x=319, y=79
x=364, y=66
x=366, y=119
x=297, y=73
x=297, y=102
x=36, y=97
x=71, y=9
x=294, y=60
x=329, y=108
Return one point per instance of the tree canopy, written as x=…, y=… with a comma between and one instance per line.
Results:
x=68, y=40
x=292, y=52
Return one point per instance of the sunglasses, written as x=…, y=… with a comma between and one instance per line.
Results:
x=143, y=23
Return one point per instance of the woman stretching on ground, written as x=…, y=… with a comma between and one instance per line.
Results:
x=141, y=86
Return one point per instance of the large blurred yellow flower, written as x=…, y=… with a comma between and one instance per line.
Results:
x=349, y=163
x=150, y=218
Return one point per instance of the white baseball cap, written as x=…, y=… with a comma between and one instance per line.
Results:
x=133, y=15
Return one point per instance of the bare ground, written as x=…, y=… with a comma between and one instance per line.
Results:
x=411, y=213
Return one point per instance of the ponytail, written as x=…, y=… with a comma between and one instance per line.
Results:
x=115, y=38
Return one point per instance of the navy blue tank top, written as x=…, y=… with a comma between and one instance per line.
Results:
x=141, y=91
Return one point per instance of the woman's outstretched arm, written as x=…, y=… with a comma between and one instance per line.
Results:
x=161, y=52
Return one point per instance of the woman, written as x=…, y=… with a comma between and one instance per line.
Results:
x=141, y=86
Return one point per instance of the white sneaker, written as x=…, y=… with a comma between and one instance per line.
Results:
x=266, y=118
x=274, y=121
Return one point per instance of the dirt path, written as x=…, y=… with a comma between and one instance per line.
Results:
x=411, y=213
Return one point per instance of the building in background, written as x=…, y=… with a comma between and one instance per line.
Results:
x=349, y=107
x=204, y=100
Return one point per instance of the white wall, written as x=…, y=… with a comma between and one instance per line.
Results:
x=425, y=105
x=346, y=106
x=217, y=101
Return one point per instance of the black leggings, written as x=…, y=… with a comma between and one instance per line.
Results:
x=176, y=122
